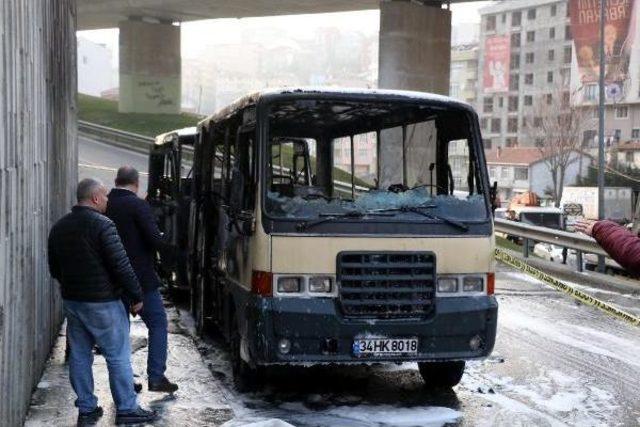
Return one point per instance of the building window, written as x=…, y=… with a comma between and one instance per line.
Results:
x=84, y=59
x=529, y=58
x=487, y=104
x=552, y=33
x=531, y=14
x=591, y=92
x=500, y=102
x=512, y=125
x=490, y=25
x=567, y=54
x=554, y=10
x=551, y=55
x=539, y=142
x=495, y=125
x=549, y=76
x=622, y=112
x=516, y=19
x=549, y=98
x=528, y=79
x=521, y=174
x=635, y=133
x=531, y=36
x=617, y=134
x=504, y=172
x=483, y=123
x=492, y=169
x=515, y=61
x=566, y=99
x=537, y=121
x=486, y=143
x=513, y=103
x=503, y=18
x=511, y=142
x=628, y=156
x=528, y=100
x=567, y=32
x=514, y=82
x=588, y=137
x=515, y=40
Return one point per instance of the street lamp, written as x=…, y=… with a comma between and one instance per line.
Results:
x=601, y=159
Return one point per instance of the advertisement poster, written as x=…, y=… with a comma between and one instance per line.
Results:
x=496, y=64
x=618, y=40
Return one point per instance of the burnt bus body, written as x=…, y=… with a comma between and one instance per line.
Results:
x=336, y=226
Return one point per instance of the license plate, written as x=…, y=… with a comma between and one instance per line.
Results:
x=384, y=346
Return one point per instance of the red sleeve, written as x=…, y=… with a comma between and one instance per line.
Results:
x=620, y=244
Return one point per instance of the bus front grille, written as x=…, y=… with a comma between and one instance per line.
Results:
x=385, y=285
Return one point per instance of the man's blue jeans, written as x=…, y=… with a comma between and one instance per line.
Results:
x=155, y=318
x=103, y=324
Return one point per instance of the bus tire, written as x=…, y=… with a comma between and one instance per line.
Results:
x=439, y=375
x=245, y=377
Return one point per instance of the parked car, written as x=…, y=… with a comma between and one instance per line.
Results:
x=548, y=251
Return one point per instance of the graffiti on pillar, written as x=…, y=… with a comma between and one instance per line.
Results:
x=155, y=92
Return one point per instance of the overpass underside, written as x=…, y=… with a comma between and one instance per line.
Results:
x=414, y=53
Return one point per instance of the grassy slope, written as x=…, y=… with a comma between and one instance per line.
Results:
x=105, y=112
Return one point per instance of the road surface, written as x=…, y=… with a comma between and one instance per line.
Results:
x=555, y=363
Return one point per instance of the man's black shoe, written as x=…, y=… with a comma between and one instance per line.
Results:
x=137, y=387
x=138, y=416
x=90, y=418
x=164, y=385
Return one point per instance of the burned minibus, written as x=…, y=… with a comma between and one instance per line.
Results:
x=344, y=227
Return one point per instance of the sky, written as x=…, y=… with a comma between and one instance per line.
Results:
x=192, y=32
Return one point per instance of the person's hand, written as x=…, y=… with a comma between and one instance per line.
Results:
x=136, y=308
x=585, y=226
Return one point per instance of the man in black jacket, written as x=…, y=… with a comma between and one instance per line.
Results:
x=142, y=240
x=87, y=257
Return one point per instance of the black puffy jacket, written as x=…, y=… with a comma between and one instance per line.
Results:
x=87, y=257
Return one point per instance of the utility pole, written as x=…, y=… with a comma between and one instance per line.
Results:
x=601, y=160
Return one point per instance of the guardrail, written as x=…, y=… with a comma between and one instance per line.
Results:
x=117, y=138
x=579, y=242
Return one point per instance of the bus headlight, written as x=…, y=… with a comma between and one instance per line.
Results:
x=320, y=284
x=447, y=285
x=473, y=284
x=289, y=284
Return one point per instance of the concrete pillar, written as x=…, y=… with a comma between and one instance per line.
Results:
x=415, y=54
x=415, y=47
x=150, y=67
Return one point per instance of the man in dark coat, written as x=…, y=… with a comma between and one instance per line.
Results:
x=142, y=240
x=621, y=245
x=87, y=257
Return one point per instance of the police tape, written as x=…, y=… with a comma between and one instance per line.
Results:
x=563, y=287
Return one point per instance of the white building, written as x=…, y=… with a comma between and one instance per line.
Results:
x=518, y=170
x=95, y=68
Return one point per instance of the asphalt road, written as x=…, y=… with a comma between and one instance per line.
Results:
x=555, y=363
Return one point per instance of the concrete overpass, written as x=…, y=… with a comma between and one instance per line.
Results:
x=415, y=39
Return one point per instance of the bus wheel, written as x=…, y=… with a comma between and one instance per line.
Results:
x=245, y=378
x=441, y=374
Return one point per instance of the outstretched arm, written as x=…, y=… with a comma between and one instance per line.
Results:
x=617, y=241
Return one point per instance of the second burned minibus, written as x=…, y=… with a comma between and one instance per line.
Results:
x=342, y=226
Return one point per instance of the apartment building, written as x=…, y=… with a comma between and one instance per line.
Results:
x=525, y=56
x=464, y=73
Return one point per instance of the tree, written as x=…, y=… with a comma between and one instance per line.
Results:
x=557, y=127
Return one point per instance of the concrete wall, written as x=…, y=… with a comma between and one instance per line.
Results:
x=96, y=72
x=38, y=170
x=150, y=68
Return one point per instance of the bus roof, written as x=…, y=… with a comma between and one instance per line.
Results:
x=536, y=209
x=371, y=94
x=183, y=134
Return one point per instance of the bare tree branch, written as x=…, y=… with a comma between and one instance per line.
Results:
x=556, y=126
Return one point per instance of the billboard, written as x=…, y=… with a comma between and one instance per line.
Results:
x=497, y=54
x=618, y=41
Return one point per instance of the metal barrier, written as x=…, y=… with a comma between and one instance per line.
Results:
x=579, y=242
x=118, y=138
